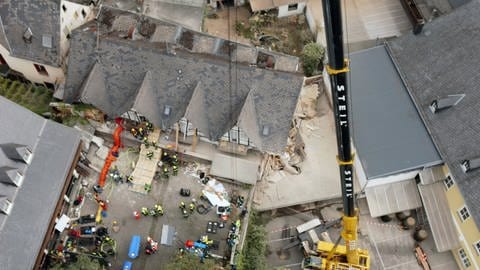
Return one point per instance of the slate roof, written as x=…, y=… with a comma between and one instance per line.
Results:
x=443, y=61
x=53, y=147
x=389, y=135
x=84, y=2
x=147, y=64
x=43, y=18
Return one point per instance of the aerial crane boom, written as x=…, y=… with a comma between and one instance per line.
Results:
x=332, y=255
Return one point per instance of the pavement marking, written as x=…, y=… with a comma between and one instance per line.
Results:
x=378, y=252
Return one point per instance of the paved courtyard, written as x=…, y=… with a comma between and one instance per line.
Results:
x=389, y=246
x=122, y=203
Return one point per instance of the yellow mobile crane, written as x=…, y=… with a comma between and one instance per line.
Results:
x=332, y=256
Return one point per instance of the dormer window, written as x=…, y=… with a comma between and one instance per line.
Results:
x=266, y=131
x=17, y=152
x=28, y=35
x=445, y=102
x=47, y=41
x=5, y=206
x=167, y=110
x=470, y=164
x=27, y=156
x=18, y=179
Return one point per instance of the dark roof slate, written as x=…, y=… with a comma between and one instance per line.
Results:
x=125, y=69
x=53, y=147
x=43, y=18
x=440, y=62
x=388, y=133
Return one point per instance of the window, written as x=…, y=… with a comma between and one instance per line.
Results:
x=27, y=156
x=41, y=69
x=84, y=14
x=5, y=206
x=292, y=7
x=448, y=182
x=463, y=213
x=234, y=134
x=49, y=85
x=2, y=60
x=464, y=258
x=167, y=110
x=64, y=8
x=47, y=41
x=18, y=179
x=476, y=246
x=266, y=131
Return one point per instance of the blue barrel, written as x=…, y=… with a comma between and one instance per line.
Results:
x=134, y=247
x=199, y=245
x=127, y=265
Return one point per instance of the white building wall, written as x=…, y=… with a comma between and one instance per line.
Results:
x=26, y=67
x=72, y=15
x=70, y=18
x=392, y=178
x=213, y=3
x=283, y=10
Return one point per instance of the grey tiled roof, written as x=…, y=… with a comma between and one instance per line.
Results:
x=53, y=147
x=146, y=64
x=383, y=111
x=442, y=61
x=43, y=18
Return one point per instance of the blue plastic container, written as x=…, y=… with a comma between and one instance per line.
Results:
x=134, y=247
x=127, y=265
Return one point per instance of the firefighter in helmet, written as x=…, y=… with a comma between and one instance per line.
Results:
x=175, y=170
x=165, y=172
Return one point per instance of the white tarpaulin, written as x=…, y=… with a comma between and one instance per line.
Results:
x=216, y=194
x=62, y=223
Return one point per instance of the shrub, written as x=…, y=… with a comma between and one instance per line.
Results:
x=254, y=252
x=312, y=57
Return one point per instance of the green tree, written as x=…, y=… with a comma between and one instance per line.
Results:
x=253, y=253
x=312, y=56
x=189, y=261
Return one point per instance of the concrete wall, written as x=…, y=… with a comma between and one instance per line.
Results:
x=213, y=3
x=283, y=10
x=193, y=3
x=468, y=230
x=71, y=16
x=310, y=19
x=55, y=74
